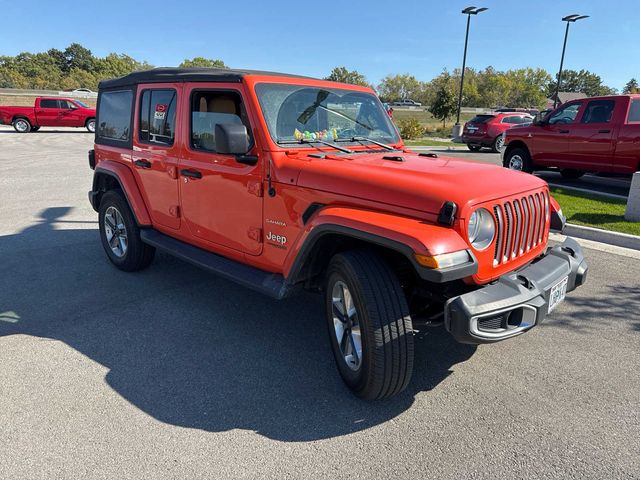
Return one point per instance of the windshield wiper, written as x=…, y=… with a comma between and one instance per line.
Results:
x=367, y=139
x=304, y=140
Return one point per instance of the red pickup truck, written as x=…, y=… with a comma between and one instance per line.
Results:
x=49, y=112
x=599, y=134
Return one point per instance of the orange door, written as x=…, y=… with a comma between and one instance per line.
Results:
x=156, y=148
x=221, y=198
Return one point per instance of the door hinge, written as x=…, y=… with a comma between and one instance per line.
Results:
x=255, y=234
x=174, y=211
x=255, y=188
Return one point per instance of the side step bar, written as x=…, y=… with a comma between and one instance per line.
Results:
x=270, y=284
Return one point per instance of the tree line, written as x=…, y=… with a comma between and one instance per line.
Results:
x=76, y=67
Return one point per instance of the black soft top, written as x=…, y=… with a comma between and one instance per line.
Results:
x=200, y=74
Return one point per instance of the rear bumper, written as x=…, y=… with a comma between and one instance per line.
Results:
x=518, y=301
x=475, y=140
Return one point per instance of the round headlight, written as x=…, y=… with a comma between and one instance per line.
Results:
x=481, y=229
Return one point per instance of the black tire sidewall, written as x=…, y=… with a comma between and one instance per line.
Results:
x=526, y=159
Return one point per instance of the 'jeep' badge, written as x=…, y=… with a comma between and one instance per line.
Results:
x=279, y=239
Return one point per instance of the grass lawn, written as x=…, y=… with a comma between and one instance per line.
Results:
x=594, y=211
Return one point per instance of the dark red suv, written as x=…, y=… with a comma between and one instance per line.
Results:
x=487, y=129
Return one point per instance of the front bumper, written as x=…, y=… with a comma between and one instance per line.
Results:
x=518, y=301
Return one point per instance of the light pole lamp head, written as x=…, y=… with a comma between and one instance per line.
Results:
x=474, y=10
x=574, y=18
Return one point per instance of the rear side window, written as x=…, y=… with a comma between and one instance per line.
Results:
x=209, y=108
x=481, y=118
x=515, y=119
x=598, y=111
x=48, y=103
x=634, y=111
x=114, y=115
x=157, y=116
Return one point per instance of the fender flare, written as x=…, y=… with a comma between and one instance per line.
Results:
x=404, y=235
x=123, y=175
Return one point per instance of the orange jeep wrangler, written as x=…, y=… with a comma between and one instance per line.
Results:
x=281, y=182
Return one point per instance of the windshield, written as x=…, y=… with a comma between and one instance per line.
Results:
x=83, y=105
x=296, y=112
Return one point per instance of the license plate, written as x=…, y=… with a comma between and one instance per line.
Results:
x=558, y=292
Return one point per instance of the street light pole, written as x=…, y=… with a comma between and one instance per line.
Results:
x=457, y=129
x=569, y=19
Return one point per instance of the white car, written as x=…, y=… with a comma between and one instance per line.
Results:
x=83, y=92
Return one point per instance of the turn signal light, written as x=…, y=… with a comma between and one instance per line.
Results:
x=445, y=260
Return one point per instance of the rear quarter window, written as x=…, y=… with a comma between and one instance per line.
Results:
x=114, y=116
x=634, y=112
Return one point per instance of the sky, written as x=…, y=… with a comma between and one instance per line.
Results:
x=375, y=37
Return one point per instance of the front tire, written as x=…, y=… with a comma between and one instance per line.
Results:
x=518, y=159
x=21, y=125
x=35, y=129
x=120, y=234
x=91, y=125
x=369, y=325
x=474, y=148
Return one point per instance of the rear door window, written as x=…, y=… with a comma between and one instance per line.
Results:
x=598, y=111
x=114, y=115
x=634, y=112
x=49, y=103
x=157, y=116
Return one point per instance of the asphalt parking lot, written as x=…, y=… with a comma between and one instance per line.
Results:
x=173, y=373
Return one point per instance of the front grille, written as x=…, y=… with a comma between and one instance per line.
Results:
x=520, y=226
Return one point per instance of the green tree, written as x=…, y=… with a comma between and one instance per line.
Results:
x=397, y=87
x=583, y=81
x=79, y=57
x=202, y=62
x=341, y=74
x=631, y=87
x=444, y=103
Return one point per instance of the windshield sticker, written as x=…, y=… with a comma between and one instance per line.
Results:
x=321, y=135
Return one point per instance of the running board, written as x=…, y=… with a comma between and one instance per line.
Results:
x=271, y=284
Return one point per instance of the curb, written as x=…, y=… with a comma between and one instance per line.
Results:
x=603, y=236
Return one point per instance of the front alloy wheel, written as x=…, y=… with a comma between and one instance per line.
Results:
x=91, y=125
x=346, y=326
x=369, y=325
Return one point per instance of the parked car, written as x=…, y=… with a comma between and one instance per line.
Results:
x=407, y=102
x=597, y=134
x=49, y=112
x=282, y=183
x=84, y=92
x=487, y=129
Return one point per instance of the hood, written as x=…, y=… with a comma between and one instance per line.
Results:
x=418, y=183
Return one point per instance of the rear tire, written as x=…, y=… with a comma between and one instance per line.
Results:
x=518, y=159
x=474, y=148
x=120, y=234
x=498, y=144
x=377, y=322
x=21, y=125
x=571, y=174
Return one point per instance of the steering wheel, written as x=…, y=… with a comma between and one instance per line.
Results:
x=347, y=133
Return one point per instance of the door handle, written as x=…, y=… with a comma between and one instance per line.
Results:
x=142, y=163
x=563, y=131
x=606, y=130
x=191, y=173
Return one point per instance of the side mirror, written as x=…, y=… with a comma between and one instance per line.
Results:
x=231, y=138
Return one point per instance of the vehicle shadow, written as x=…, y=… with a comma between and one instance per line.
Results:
x=191, y=349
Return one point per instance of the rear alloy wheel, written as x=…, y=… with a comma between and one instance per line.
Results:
x=474, y=148
x=91, y=125
x=518, y=159
x=498, y=144
x=571, y=174
x=21, y=125
x=369, y=325
x=120, y=234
